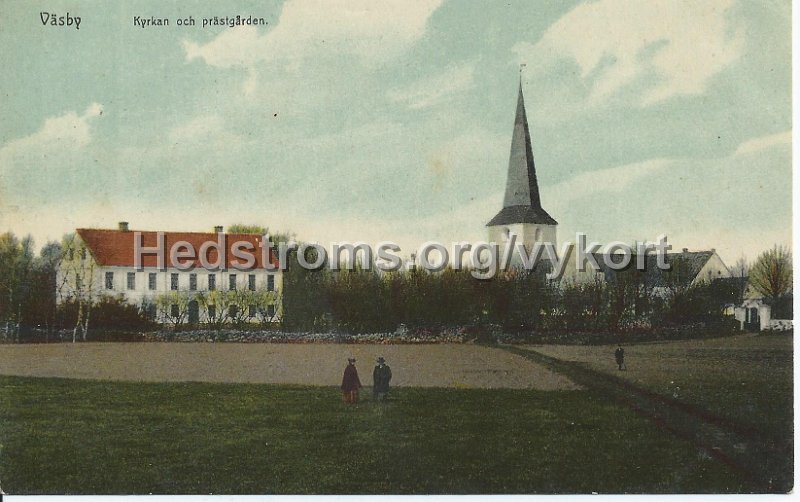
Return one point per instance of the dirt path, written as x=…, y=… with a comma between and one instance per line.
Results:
x=753, y=456
x=441, y=365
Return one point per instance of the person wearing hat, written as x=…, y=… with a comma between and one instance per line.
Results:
x=381, y=376
x=350, y=382
x=619, y=356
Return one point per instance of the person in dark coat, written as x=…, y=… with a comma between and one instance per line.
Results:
x=619, y=355
x=381, y=376
x=350, y=382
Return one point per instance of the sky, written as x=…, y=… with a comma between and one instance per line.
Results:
x=362, y=120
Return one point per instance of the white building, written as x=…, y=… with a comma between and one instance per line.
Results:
x=104, y=262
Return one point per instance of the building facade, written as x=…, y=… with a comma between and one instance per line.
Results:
x=237, y=279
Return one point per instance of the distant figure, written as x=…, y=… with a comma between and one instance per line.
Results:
x=381, y=376
x=350, y=382
x=619, y=355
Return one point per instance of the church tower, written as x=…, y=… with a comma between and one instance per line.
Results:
x=522, y=212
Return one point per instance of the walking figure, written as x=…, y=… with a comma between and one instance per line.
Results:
x=619, y=355
x=350, y=382
x=381, y=376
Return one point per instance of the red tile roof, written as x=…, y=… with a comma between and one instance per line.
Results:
x=116, y=247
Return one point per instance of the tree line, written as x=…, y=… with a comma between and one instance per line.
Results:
x=361, y=301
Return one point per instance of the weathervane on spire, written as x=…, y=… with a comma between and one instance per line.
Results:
x=521, y=66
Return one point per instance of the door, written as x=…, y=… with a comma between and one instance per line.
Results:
x=194, y=312
x=752, y=322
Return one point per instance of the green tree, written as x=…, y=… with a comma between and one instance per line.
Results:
x=242, y=228
x=16, y=262
x=173, y=307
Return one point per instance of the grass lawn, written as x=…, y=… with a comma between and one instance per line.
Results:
x=746, y=379
x=83, y=436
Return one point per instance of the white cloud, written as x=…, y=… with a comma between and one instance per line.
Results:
x=614, y=180
x=48, y=164
x=64, y=131
x=204, y=129
x=433, y=90
x=362, y=27
x=39, y=160
x=764, y=142
x=669, y=47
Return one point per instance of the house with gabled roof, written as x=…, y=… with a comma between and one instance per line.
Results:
x=686, y=269
x=125, y=263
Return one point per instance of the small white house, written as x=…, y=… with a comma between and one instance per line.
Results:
x=753, y=314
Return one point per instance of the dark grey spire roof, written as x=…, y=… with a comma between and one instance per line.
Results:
x=521, y=203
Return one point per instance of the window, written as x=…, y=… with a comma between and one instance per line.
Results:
x=78, y=282
x=212, y=311
x=109, y=280
x=271, y=310
x=193, y=282
x=173, y=284
x=270, y=282
x=151, y=281
x=174, y=311
x=212, y=282
x=83, y=253
x=252, y=310
x=233, y=311
x=131, y=280
x=251, y=282
x=71, y=254
x=232, y=282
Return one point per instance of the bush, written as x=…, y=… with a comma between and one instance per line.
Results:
x=108, y=314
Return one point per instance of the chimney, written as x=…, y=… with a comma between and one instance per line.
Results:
x=218, y=229
x=685, y=250
x=123, y=226
x=713, y=250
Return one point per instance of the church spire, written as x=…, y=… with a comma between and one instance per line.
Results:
x=521, y=203
x=522, y=188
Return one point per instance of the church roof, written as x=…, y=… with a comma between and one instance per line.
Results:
x=521, y=203
x=684, y=267
x=522, y=214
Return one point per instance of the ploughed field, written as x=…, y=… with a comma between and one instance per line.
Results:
x=441, y=365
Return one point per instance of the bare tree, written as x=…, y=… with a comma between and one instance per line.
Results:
x=77, y=271
x=741, y=271
x=771, y=274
